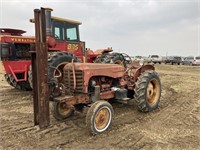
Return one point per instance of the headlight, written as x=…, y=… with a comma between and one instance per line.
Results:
x=94, y=83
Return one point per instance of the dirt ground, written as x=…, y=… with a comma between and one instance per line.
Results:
x=174, y=125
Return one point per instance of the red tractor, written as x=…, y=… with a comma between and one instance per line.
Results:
x=76, y=86
x=63, y=42
x=96, y=86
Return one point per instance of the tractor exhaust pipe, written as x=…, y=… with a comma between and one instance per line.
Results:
x=48, y=20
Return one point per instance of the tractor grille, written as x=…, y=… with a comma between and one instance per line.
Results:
x=69, y=80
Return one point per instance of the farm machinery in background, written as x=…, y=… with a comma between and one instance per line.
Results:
x=63, y=41
x=74, y=85
x=94, y=86
x=15, y=57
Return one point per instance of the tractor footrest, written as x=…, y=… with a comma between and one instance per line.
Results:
x=62, y=98
x=124, y=100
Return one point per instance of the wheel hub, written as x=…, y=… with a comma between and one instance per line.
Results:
x=149, y=91
x=153, y=91
x=102, y=119
x=63, y=108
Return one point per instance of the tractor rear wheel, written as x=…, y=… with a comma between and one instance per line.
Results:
x=99, y=117
x=23, y=85
x=8, y=79
x=55, y=69
x=147, y=91
x=62, y=111
x=30, y=77
x=113, y=58
x=30, y=72
x=56, y=63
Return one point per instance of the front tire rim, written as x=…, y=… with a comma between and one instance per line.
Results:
x=153, y=91
x=63, y=109
x=102, y=119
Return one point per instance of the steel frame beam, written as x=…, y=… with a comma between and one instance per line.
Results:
x=40, y=71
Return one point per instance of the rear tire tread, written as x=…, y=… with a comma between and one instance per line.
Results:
x=140, y=90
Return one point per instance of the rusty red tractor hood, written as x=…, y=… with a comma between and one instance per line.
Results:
x=87, y=70
x=98, y=69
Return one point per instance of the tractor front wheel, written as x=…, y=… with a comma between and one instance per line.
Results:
x=99, y=117
x=147, y=91
x=62, y=111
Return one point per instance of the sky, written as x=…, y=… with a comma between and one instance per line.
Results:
x=135, y=27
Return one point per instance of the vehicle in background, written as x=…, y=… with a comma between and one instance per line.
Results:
x=164, y=58
x=188, y=60
x=173, y=60
x=168, y=59
x=140, y=59
x=154, y=59
x=176, y=60
x=196, y=61
x=182, y=59
x=136, y=58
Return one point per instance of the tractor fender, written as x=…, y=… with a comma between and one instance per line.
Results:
x=142, y=69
